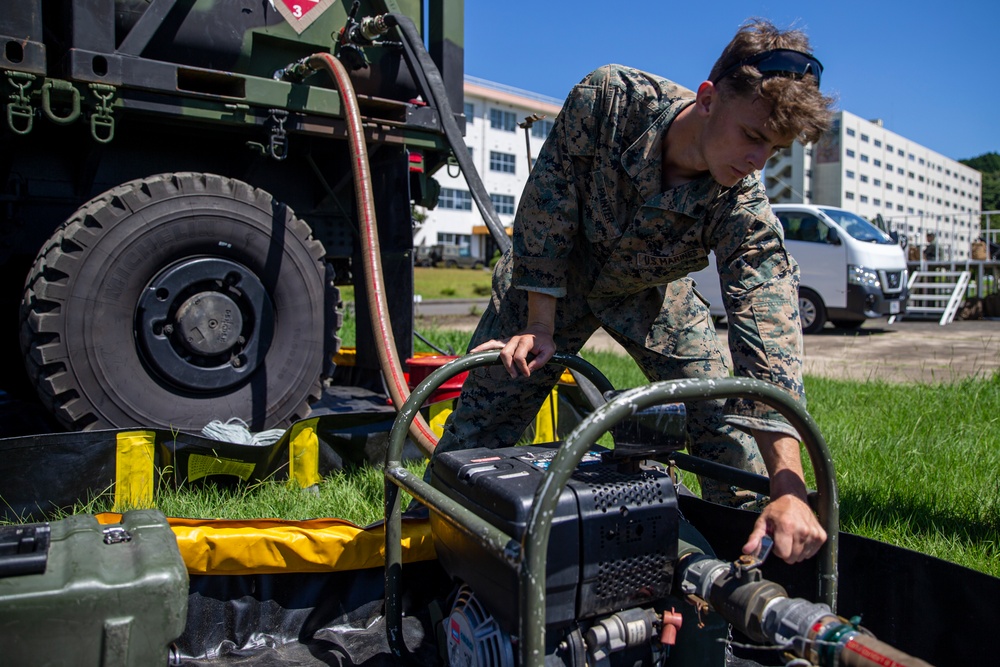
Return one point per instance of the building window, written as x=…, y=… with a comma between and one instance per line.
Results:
x=864, y=158
x=849, y=174
x=888, y=147
x=502, y=162
x=850, y=132
x=899, y=188
x=910, y=174
x=877, y=182
x=459, y=200
x=877, y=202
x=849, y=195
x=470, y=112
x=899, y=170
x=448, y=238
x=899, y=207
x=900, y=152
x=541, y=128
x=850, y=153
x=504, y=204
x=878, y=143
x=864, y=138
x=503, y=120
x=877, y=163
x=864, y=199
x=864, y=179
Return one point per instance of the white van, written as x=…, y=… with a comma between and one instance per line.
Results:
x=851, y=270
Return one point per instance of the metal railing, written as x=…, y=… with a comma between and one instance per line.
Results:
x=527, y=555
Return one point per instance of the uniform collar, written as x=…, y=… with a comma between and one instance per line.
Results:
x=643, y=157
x=643, y=162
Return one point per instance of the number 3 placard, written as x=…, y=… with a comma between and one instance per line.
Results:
x=301, y=13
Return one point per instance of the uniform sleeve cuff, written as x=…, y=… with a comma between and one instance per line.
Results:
x=540, y=274
x=775, y=424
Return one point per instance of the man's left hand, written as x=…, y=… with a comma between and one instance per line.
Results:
x=792, y=525
x=788, y=519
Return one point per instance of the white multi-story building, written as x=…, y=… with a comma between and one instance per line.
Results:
x=498, y=147
x=863, y=167
x=859, y=165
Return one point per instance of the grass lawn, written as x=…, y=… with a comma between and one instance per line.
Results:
x=918, y=465
x=441, y=283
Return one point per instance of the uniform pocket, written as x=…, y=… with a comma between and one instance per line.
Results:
x=579, y=120
x=601, y=215
x=778, y=328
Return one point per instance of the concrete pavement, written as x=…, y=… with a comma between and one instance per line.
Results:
x=906, y=351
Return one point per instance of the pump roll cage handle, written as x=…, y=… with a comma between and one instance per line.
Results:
x=528, y=556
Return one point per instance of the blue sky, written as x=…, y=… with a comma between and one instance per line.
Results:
x=929, y=70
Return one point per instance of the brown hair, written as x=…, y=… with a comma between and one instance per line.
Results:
x=797, y=105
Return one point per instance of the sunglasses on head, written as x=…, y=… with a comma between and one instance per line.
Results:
x=776, y=62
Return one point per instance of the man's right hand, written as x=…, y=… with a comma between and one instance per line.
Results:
x=514, y=353
x=536, y=339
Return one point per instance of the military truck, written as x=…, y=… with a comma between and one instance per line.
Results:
x=177, y=205
x=449, y=256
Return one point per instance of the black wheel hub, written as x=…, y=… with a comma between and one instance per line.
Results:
x=205, y=323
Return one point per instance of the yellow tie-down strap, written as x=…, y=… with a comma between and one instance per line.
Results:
x=276, y=546
x=134, y=468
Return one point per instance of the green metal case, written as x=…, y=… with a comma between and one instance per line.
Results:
x=109, y=595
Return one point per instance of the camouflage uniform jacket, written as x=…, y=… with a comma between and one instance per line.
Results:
x=595, y=220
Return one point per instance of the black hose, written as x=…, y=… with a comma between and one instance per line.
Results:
x=450, y=351
x=438, y=97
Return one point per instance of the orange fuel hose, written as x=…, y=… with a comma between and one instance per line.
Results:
x=375, y=284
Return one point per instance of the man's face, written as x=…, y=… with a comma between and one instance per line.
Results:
x=738, y=138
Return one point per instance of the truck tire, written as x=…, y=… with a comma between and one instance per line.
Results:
x=812, y=312
x=175, y=300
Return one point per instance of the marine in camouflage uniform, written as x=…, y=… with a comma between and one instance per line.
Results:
x=596, y=229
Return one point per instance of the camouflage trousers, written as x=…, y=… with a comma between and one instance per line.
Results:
x=668, y=332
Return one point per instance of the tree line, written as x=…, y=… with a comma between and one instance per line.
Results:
x=989, y=165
